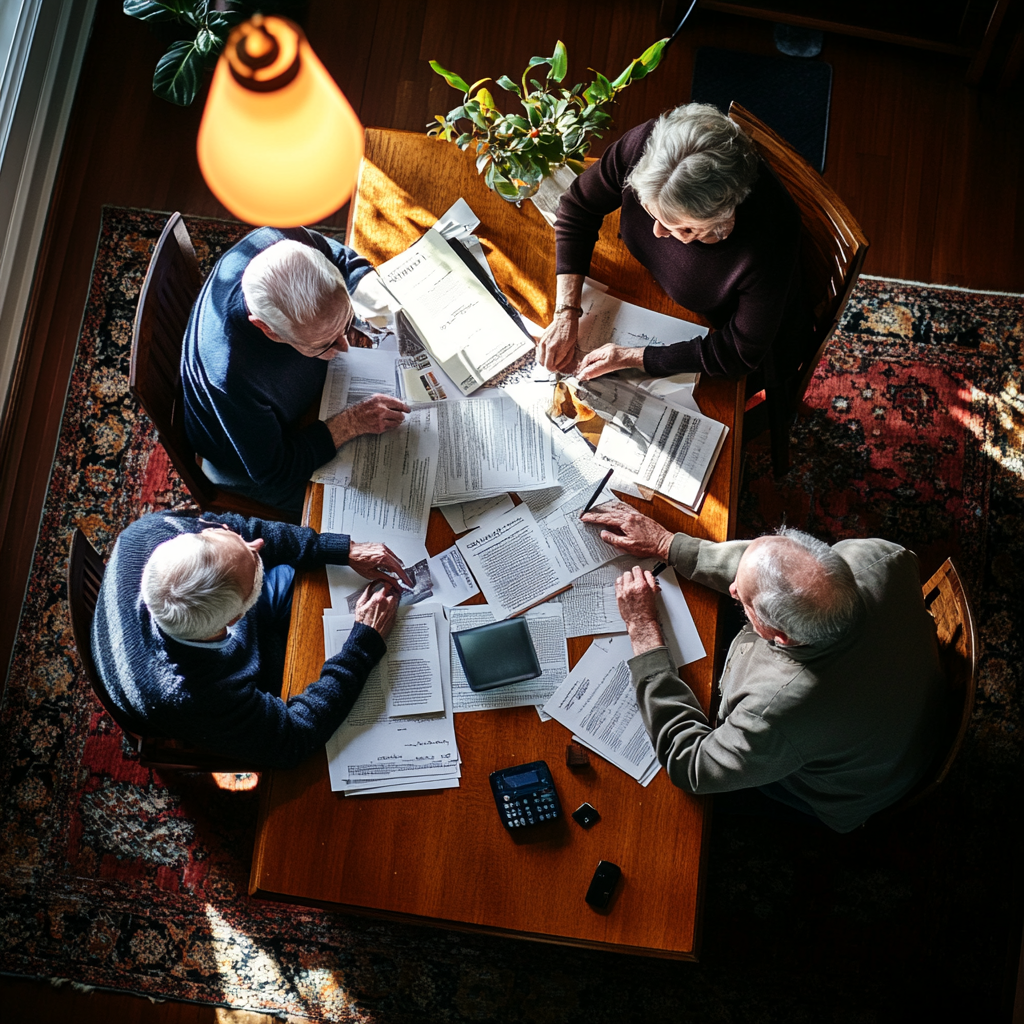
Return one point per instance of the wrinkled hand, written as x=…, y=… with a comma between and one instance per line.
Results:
x=556, y=347
x=377, y=562
x=635, y=592
x=377, y=607
x=632, y=531
x=607, y=359
x=374, y=415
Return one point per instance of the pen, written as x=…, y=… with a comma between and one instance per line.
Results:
x=600, y=488
x=659, y=569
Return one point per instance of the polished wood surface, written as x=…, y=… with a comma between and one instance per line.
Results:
x=444, y=857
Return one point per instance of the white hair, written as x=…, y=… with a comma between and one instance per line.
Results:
x=697, y=164
x=290, y=285
x=189, y=589
x=814, y=602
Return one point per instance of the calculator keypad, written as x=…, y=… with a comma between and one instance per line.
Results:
x=530, y=808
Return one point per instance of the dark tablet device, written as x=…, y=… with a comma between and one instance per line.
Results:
x=497, y=654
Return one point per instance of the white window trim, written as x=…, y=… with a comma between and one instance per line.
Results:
x=41, y=53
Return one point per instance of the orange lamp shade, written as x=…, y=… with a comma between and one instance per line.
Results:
x=279, y=144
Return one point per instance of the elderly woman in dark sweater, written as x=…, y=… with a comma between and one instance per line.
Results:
x=715, y=227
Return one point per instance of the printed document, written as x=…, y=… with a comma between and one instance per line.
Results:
x=597, y=703
x=373, y=751
x=460, y=322
x=453, y=583
x=548, y=634
x=383, y=487
x=467, y=514
x=513, y=563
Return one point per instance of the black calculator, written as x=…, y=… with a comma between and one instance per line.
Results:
x=525, y=795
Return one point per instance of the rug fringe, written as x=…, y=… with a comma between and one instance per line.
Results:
x=943, y=287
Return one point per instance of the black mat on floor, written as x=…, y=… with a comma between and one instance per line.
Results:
x=790, y=94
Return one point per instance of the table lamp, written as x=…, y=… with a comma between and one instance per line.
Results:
x=279, y=144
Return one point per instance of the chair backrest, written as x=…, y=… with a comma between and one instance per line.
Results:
x=832, y=246
x=85, y=574
x=171, y=286
x=946, y=598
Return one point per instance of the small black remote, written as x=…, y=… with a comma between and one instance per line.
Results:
x=606, y=877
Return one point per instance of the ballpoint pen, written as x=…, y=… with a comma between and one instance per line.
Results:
x=600, y=488
x=659, y=568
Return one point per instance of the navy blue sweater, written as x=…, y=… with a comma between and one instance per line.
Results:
x=245, y=393
x=224, y=698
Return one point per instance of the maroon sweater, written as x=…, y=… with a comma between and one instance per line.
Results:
x=748, y=286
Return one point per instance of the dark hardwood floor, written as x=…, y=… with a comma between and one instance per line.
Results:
x=930, y=166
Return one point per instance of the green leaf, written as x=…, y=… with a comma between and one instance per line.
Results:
x=623, y=80
x=177, y=73
x=535, y=61
x=476, y=85
x=150, y=10
x=650, y=59
x=533, y=112
x=519, y=122
x=208, y=43
x=463, y=140
x=505, y=188
x=508, y=85
x=456, y=112
x=221, y=21
x=484, y=98
x=559, y=62
x=450, y=77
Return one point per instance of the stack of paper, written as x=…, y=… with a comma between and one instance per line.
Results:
x=400, y=735
x=597, y=703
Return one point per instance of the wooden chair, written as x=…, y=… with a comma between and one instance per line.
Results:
x=946, y=599
x=832, y=254
x=168, y=293
x=85, y=574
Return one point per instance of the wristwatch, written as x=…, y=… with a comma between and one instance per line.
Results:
x=578, y=310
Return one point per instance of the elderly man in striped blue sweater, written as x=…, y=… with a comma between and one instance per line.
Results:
x=192, y=622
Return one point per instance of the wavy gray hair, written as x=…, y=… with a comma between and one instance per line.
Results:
x=816, y=603
x=189, y=591
x=290, y=285
x=697, y=164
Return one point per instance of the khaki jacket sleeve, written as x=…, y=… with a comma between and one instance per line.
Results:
x=743, y=752
x=704, y=561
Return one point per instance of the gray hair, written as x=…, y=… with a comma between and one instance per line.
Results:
x=812, y=604
x=697, y=164
x=290, y=285
x=188, y=590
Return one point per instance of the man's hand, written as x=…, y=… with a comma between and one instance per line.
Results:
x=377, y=562
x=375, y=415
x=632, y=531
x=377, y=607
x=556, y=348
x=607, y=359
x=635, y=592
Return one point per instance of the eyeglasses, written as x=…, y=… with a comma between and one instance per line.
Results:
x=354, y=332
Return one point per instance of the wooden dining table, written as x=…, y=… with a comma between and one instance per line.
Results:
x=444, y=858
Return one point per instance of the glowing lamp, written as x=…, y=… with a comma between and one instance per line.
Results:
x=279, y=143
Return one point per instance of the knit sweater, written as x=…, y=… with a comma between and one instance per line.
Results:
x=847, y=727
x=244, y=393
x=748, y=285
x=223, y=696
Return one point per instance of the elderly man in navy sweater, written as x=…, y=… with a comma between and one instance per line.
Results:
x=273, y=310
x=189, y=633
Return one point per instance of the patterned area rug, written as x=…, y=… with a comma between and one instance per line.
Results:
x=114, y=876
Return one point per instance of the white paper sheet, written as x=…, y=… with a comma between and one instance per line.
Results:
x=607, y=320
x=512, y=562
x=407, y=680
x=548, y=635
x=490, y=445
x=596, y=702
x=461, y=323
x=383, y=485
x=370, y=749
x=453, y=582
x=467, y=514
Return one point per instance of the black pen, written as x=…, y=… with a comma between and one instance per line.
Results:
x=600, y=488
x=659, y=569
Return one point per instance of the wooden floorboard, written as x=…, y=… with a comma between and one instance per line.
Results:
x=930, y=166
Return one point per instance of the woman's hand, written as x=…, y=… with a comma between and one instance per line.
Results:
x=632, y=531
x=635, y=592
x=377, y=607
x=556, y=348
x=607, y=359
x=377, y=562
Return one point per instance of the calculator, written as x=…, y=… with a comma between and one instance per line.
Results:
x=525, y=795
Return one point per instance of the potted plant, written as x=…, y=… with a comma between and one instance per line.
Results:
x=196, y=31
x=516, y=152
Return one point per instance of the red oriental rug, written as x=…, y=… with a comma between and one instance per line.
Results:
x=114, y=876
